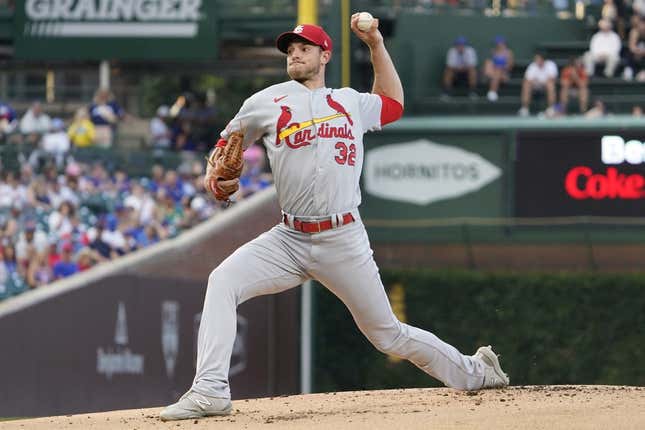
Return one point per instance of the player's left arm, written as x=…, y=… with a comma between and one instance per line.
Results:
x=387, y=83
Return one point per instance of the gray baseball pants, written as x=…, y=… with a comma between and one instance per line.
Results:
x=341, y=259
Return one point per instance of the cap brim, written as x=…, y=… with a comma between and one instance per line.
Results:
x=283, y=41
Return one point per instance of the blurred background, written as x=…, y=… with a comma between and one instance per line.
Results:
x=504, y=208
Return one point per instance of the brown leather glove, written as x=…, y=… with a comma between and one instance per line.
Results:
x=224, y=168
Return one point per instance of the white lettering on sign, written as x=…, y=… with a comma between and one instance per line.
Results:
x=119, y=359
x=614, y=150
x=112, y=18
x=423, y=172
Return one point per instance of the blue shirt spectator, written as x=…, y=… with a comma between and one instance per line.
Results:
x=8, y=121
x=65, y=267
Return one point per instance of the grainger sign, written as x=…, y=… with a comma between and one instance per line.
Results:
x=115, y=29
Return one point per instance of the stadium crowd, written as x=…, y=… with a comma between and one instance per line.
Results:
x=617, y=48
x=60, y=216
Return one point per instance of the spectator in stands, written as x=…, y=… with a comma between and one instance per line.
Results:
x=598, y=110
x=141, y=202
x=539, y=77
x=30, y=242
x=614, y=12
x=8, y=121
x=105, y=114
x=60, y=221
x=574, y=80
x=37, y=196
x=9, y=258
x=34, y=123
x=4, y=275
x=81, y=131
x=461, y=66
x=174, y=186
x=98, y=244
x=39, y=272
x=636, y=52
x=12, y=192
x=160, y=134
x=55, y=143
x=66, y=266
x=604, y=48
x=498, y=67
x=9, y=226
x=637, y=111
x=157, y=179
x=87, y=258
x=638, y=9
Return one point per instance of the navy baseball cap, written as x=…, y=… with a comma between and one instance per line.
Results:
x=461, y=40
x=311, y=33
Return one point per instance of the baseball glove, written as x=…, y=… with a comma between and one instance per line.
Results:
x=225, y=167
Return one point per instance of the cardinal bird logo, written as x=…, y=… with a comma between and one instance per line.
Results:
x=283, y=120
x=338, y=108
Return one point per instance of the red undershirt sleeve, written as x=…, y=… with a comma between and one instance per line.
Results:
x=391, y=110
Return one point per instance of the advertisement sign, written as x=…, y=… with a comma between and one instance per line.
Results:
x=423, y=172
x=129, y=342
x=115, y=29
x=570, y=174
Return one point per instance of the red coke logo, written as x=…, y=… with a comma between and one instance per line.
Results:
x=581, y=183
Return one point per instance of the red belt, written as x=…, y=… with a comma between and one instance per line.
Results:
x=316, y=226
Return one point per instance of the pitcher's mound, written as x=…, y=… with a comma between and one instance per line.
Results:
x=522, y=407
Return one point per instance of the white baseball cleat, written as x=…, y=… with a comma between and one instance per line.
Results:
x=494, y=377
x=195, y=405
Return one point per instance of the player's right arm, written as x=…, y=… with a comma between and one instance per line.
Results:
x=386, y=79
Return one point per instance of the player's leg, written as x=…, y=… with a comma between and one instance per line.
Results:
x=266, y=265
x=346, y=268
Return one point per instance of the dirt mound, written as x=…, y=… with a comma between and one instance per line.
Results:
x=522, y=407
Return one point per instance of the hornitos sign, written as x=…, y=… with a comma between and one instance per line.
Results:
x=423, y=172
x=112, y=18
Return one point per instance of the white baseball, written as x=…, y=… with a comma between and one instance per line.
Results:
x=365, y=20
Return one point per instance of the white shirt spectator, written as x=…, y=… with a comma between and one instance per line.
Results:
x=56, y=142
x=59, y=224
x=460, y=60
x=31, y=123
x=115, y=239
x=12, y=195
x=159, y=131
x=39, y=241
x=540, y=75
x=605, y=43
x=144, y=205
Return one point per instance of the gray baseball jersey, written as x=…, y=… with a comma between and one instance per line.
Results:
x=315, y=147
x=314, y=141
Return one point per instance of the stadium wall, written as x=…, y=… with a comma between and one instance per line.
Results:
x=123, y=335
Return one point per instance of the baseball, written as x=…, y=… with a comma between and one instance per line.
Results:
x=365, y=20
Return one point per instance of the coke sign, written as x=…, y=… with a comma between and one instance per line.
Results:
x=581, y=183
x=580, y=173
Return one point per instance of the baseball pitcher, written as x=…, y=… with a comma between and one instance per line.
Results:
x=314, y=141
